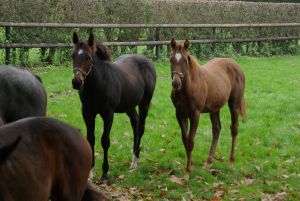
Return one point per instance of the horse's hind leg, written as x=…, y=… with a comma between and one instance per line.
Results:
x=1, y=121
x=234, y=111
x=143, y=112
x=89, y=120
x=134, y=118
x=216, y=128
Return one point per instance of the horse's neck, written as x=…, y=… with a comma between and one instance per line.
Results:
x=192, y=77
x=100, y=76
x=96, y=76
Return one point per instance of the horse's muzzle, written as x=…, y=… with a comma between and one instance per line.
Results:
x=176, y=84
x=76, y=84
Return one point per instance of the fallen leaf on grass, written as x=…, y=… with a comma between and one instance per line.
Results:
x=121, y=177
x=199, y=177
x=176, y=180
x=247, y=181
x=214, y=172
x=257, y=168
x=278, y=197
x=285, y=176
x=219, y=193
x=217, y=184
x=162, y=151
x=171, y=172
x=232, y=192
x=216, y=198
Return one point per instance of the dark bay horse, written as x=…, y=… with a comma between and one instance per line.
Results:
x=107, y=87
x=205, y=89
x=42, y=159
x=21, y=95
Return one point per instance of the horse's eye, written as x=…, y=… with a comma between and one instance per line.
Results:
x=172, y=59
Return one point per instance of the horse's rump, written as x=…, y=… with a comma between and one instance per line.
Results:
x=52, y=158
x=225, y=80
x=6, y=150
x=22, y=94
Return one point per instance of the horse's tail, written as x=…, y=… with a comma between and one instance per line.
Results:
x=6, y=150
x=92, y=194
x=243, y=109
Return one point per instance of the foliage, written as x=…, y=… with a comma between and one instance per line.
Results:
x=147, y=11
x=267, y=152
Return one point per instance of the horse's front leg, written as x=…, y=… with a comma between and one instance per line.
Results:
x=194, y=120
x=105, y=142
x=183, y=123
x=89, y=119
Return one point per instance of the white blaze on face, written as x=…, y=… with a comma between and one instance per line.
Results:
x=178, y=57
x=80, y=52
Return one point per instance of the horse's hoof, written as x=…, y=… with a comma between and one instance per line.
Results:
x=132, y=169
x=91, y=175
x=104, y=180
x=186, y=177
x=134, y=162
x=207, y=166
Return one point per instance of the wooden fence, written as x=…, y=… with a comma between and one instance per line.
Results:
x=157, y=27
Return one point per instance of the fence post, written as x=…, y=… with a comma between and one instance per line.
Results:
x=7, y=50
x=157, y=46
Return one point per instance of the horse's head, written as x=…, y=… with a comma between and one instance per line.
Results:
x=179, y=62
x=82, y=57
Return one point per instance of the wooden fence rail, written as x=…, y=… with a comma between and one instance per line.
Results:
x=74, y=25
x=157, y=27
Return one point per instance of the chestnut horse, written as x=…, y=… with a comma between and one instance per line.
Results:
x=205, y=89
x=42, y=159
x=107, y=87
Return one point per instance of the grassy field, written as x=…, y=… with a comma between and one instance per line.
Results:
x=267, y=152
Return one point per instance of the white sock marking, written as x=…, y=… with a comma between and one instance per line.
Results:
x=134, y=162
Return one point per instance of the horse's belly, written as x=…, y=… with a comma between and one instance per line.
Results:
x=213, y=106
x=128, y=102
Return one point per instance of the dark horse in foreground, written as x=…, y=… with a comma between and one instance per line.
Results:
x=42, y=159
x=107, y=87
x=205, y=89
x=21, y=95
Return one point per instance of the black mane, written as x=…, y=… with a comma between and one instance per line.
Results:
x=102, y=52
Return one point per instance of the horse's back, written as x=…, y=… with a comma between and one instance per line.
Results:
x=225, y=69
x=136, y=61
x=224, y=78
x=51, y=158
x=223, y=65
x=138, y=79
x=22, y=94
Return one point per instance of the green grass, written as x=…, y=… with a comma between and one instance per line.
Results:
x=267, y=152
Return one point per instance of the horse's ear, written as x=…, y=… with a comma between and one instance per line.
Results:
x=75, y=38
x=173, y=43
x=186, y=43
x=91, y=40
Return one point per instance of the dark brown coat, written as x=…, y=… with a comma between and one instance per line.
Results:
x=49, y=160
